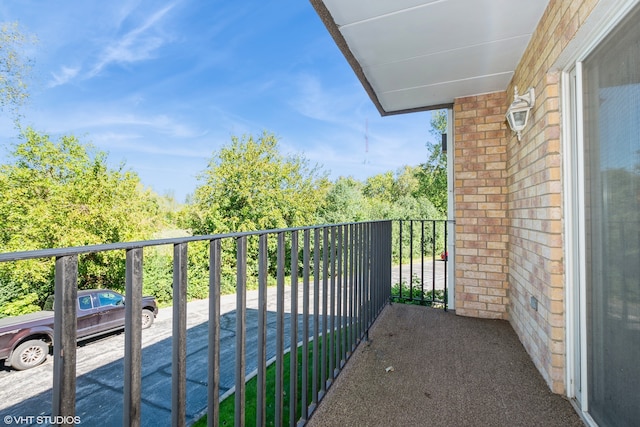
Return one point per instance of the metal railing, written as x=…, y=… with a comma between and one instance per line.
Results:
x=420, y=249
x=339, y=274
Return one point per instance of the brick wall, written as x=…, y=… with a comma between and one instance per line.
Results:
x=482, y=222
x=536, y=255
x=509, y=229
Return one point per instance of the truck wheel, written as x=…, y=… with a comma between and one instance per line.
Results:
x=147, y=318
x=29, y=354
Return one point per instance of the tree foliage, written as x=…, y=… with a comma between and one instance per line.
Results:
x=433, y=173
x=344, y=202
x=15, y=67
x=250, y=185
x=60, y=194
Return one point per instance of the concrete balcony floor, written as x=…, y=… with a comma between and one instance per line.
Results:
x=447, y=370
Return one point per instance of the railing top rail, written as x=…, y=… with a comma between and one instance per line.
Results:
x=78, y=250
x=424, y=219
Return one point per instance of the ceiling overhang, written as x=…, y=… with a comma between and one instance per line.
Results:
x=416, y=55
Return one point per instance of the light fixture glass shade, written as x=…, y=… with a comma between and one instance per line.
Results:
x=519, y=110
x=518, y=119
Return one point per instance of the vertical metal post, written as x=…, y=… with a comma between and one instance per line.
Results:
x=213, y=368
x=433, y=258
x=179, y=337
x=410, y=259
x=374, y=267
x=370, y=289
x=365, y=280
x=400, y=262
x=241, y=320
x=332, y=304
x=316, y=313
x=133, y=338
x=389, y=246
x=261, y=397
x=352, y=291
x=345, y=293
x=325, y=289
x=422, y=261
x=279, y=330
x=340, y=276
x=357, y=281
x=293, y=352
x=305, y=325
x=446, y=260
x=65, y=327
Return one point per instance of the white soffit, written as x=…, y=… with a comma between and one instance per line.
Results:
x=422, y=54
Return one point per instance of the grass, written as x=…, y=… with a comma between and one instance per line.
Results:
x=227, y=406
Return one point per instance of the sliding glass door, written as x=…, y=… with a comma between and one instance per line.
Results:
x=611, y=161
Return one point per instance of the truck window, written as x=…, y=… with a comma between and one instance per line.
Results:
x=109, y=298
x=85, y=302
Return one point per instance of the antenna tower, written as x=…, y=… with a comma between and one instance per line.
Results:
x=366, y=141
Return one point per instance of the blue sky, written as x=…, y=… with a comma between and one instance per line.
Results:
x=162, y=85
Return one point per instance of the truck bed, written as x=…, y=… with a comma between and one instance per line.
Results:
x=8, y=322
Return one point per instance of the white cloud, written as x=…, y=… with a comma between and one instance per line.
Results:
x=63, y=76
x=136, y=45
x=335, y=105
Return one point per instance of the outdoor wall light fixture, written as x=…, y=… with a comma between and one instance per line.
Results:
x=519, y=110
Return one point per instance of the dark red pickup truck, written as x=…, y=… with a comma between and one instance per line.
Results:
x=25, y=340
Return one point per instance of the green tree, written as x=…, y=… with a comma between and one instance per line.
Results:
x=344, y=202
x=250, y=185
x=398, y=196
x=61, y=194
x=433, y=173
x=15, y=67
x=381, y=187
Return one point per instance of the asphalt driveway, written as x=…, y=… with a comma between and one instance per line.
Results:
x=25, y=394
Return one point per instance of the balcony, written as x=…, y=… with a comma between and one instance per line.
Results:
x=424, y=366
x=403, y=364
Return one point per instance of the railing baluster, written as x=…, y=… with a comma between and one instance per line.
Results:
x=359, y=282
x=370, y=290
x=400, y=262
x=279, y=330
x=446, y=260
x=325, y=289
x=293, y=352
x=332, y=304
x=433, y=257
x=179, y=336
x=305, y=325
x=339, y=277
x=365, y=280
x=261, y=404
x=241, y=319
x=389, y=243
x=64, y=337
x=316, y=310
x=410, y=259
x=133, y=338
x=422, y=260
x=345, y=290
x=374, y=270
x=213, y=370
x=352, y=290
